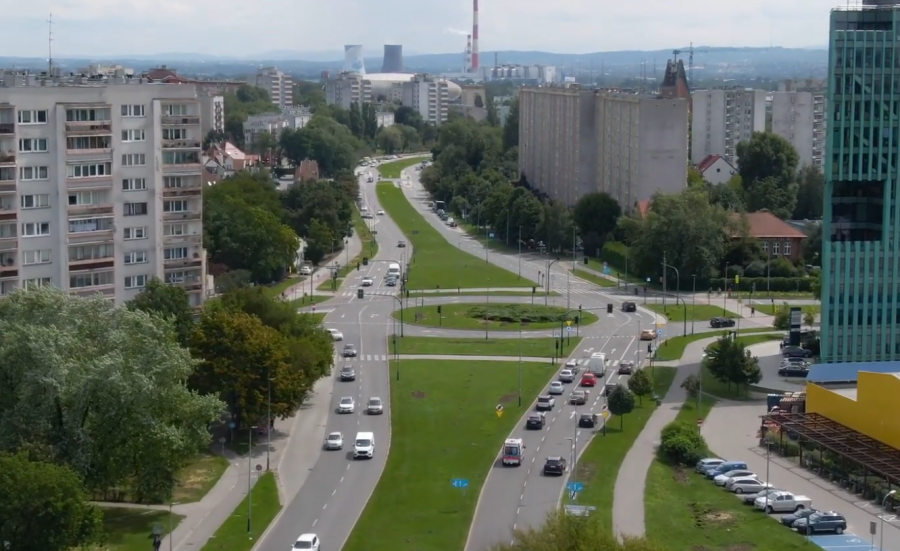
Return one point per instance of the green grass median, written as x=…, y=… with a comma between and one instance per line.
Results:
x=593, y=278
x=534, y=348
x=443, y=426
x=393, y=169
x=715, y=387
x=771, y=310
x=695, y=312
x=673, y=349
x=492, y=316
x=436, y=262
x=233, y=535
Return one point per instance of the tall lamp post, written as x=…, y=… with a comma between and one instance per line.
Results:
x=881, y=529
x=268, y=421
x=250, y=478
x=170, y=522
x=725, y=295
x=520, y=363
x=520, y=252
x=549, y=265
x=693, y=303
x=678, y=284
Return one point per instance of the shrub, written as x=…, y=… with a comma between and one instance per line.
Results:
x=614, y=253
x=774, y=284
x=681, y=443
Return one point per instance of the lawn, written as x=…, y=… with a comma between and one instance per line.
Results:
x=598, y=466
x=695, y=312
x=535, y=348
x=713, y=386
x=493, y=316
x=673, y=349
x=392, y=170
x=443, y=426
x=436, y=262
x=767, y=296
x=232, y=535
x=420, y=294
x=770, y=309
x=130, y=529
x=594, y=278
x=198, y=477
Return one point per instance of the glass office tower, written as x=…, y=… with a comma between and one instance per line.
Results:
x=861, y=222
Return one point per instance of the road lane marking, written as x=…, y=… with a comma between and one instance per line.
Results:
x=334, y=492
x=517, y=514
x=324, y=506
x=341, y=480
x=522, y=496
x=314, y=523
x=525, y=484
x=573, y=414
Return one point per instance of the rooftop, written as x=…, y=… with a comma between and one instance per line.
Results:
x=848, y=372
x=707, y=163
x=764, y=224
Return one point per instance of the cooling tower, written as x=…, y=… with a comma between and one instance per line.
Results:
x=393, y=59
x=353, y=60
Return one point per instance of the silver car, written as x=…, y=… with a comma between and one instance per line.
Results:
x=334, y=441
x=375, y=406
x=556, y=388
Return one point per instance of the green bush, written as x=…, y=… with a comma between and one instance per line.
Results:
x=515, y=313
x=682, y=444
x=614, y=254
x=775, y=284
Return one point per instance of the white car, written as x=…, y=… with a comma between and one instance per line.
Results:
x=305, y=270
x=346, y=405
x=545, y=403
x=334, y=441
x=335, y=334
x=747, y=485
x=380, y=213
x=368, y=281
x=556, y=388
x=722, y=479
x=375, y=406
x=306, y=542
x=572, y=363
x=566, y=376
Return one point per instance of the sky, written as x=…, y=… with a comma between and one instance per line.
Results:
x=241, y=28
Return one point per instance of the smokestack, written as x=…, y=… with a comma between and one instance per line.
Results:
x=474, y=36
x=468, y=66
x=393, y=59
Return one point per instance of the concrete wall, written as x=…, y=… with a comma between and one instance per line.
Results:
x=663, y=144
x=873, y=413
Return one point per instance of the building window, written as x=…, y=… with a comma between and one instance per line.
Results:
x=136, y=257
x=132, y=111
x=91, y=252
x=176, y=110
x=32, y=117
x=41, y=201
x=135, y=209
x=176, y=253
x=83, y=143
x=136, y=282
x=181, y=157
x=134, y=159
x=36, y=257
x=93, y=170
x=176, y=277
x=86, y=198
x=775, y=245
x=174, y=133
x=175, y=229
x=83, y=225
x=38, y=282
x=175, y=206
x=88, y=115
x=765, y=246
x=136, y=135
x=134, y=184
x=172, y=182
x=787, y=248
x=33, y=145
x=139, y=232
x=35, y=229
x=94, y=279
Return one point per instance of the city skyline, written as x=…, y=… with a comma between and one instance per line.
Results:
x=137, y=27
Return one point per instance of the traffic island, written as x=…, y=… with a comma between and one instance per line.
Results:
x=497, y=317
x=535, y=348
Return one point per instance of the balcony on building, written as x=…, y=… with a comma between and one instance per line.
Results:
x=9, y=267
x=91, y=229
x=182, y=186
x=181, y=161
x=9, y=236
x=192, y=260
x=190, y=280
x=101, y=208
x=180, y=114
x=7, y=121
x=7, y=287
x=91, y=256
x=7, y=152
x=89, y=281
x=8, y=208
x=88, y=120
x=95, y=146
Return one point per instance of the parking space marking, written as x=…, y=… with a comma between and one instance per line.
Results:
x=845, y=542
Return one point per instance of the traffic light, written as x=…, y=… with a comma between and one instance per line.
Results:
x=365, y=261
x=577, y=319
x=609, y=308
x=360, y=293
x=585, y=260
x=357, y=266
x=533, y=289
x=439, y=308
x=649, y=348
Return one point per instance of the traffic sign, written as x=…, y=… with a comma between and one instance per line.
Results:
x=737, y=279
x=580, y=510
x=459, y=483
x=659, y=332
x=568, y=329
x=499, y=407
x=648, y=280
x=605, y=414
x=568, y=322
x=231, y=424
x=575, y=486
x=499, y=413
x=490, y=236
x=606, y=270
x=700, y=422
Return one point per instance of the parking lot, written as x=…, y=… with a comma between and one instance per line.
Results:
x=845, y=542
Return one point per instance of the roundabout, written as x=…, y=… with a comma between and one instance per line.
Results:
x=493, y=316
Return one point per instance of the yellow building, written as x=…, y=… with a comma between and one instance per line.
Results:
x=869, y=409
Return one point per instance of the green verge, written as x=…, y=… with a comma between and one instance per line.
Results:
x=770, y=310
x=593, y=278
x=232, y=535
x=198, y=477
x=534, y=348
x=393, y=169
x=130, y=529
x=538, y=296
x=713, y=386
x=462, y=316
x=599, y=465
x=695, y=312
x=673, y=349
x=443, y=426
x=369, y=250
x=436, y=262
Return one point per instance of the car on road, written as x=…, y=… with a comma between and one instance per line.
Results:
x=346, y=405
x=554, y=466
x=305, y=270
x=336, y=335
x=401, y=244
x=749, y=485
x=795, y=352
x=545, y=403
x=306, y=542
x=708, y=463
x=334, y=441
x=348, y=373
x=782, y=502
x=566, y=376
x=571, y=364
x=588, y=379
x=789, y=520
x=629, y=306
x=588, y=420
x=579, y=397
x=556, y=388
x=368, y=281
x=648, y=334
x=391, y=282
x=718, y=322
x=749, y=499
x=723, y=478
x=380, y=213
x=822, y=522
x=796, y=371
x=626, y=367
x=535, y=421
x=364, y=445
x=375, y=406
x=349, y=351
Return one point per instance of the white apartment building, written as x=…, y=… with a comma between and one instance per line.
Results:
x=212, y=112
x=723, y=118
x=279, y=85
x=798, y=115
x=292, y=118
x=100, y=188
x=348, y=88
x=428, y=95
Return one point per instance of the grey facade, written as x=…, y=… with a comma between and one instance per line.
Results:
x=723, y=118
x=279, y=85
x=799, y=117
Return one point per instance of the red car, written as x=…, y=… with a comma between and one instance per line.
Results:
x=588, y=379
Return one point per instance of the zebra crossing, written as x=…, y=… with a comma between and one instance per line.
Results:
x=361, y=358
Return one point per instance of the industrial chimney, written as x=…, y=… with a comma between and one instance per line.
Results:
x=467, y=68
x=474, y=36
x=393, y=59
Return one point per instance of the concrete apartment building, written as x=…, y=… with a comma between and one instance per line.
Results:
x=798, y=115
x=574, y=141
x=348, y=88
x=428, y=95
x=279, y=85
x=100, y=186
x=723, y=118
x=212, y=112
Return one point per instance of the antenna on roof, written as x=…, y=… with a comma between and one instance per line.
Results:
x=50, y=45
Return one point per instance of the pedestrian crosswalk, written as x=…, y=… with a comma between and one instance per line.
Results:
x=362, y=358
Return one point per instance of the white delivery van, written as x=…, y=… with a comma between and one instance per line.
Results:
x=393, y=270
x=597, y=364
x=364, y=445
x=513, y=451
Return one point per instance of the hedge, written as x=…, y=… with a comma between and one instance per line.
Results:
x=775, y=284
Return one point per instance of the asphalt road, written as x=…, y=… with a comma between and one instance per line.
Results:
x=338, y=488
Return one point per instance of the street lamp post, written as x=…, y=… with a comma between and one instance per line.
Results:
x=268, y=421
x=520, y=364
x=549, y=265
x=881, y=517
x=678, y=284
x=520, y=252
x=693, y=303
x=700, y=383
x=725, y=295
x=170, y=522
x=250, y=477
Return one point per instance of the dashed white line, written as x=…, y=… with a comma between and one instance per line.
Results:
x=314, y=523
x=542, y=439
x=522, y=495
x=324, y=506
x=334, y=492
x=525, y=484
x=342, y=479
x=517, y=513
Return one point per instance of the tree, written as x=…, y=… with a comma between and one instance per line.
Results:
x=782, y=318
x=729, y=362
x=730, y=195
x=620, y=402
x=329, y=202
x=408, y=116
x=769, y=194
x=816, y=286
x=809, y=318
x=511, y=127
x=45, y=507
x=695, y=177
x=691, y=385
x=246, y=101
x=170, y=302
x=810, y=192
x=640, y=384
x=556, y=226
x=101, y=390
x=767, y=155
x=319, y=242
x=412, y=141
x=811, y=247
x=596, y=215
x=255, y=189
x=681, y=443
x=390, y=139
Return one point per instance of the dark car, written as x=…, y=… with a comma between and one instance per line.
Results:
x=392, y=282
x=629, y=307
x=793, y=371
x=821, y=522
x=349, y=351
x=721, y=322
x=555, y=466
x=795, y=352
x=348, y=374
x=626, y=367
x=535, y=421
x=587, y=420
x=789, y=520
x=401, y=244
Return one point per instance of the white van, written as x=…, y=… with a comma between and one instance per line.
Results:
x=393, y=270
x=597, y=364
x=364, y=445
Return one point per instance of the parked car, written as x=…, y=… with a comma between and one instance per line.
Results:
x=588, y=379
x=822, y=522
x=749, y=499
x=789, y=520
x=588, y=420
x=556, y=388
x=782, y=502
x=535, y=421
x=747, y=485
x=626, y=367
x=721, y=322
x=722, y=479
x=793, y=371
x=554, y=466
x=795, y=352
x=708, y=463
x=545, y=403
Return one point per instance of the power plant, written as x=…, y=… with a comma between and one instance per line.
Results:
x=473, y=67
x=353, y=59
x=393, y=59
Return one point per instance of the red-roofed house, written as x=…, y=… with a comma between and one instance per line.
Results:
x=777, y=237
x=716, y=170
x=224, y=159
x=308, y=170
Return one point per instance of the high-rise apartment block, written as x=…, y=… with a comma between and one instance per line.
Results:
x=861, y=221
x=574, y=141
x=723, y=118
x=348, y=88
x=428, y=95
x=279, y=85
x=798, y=115
x=100, y=187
